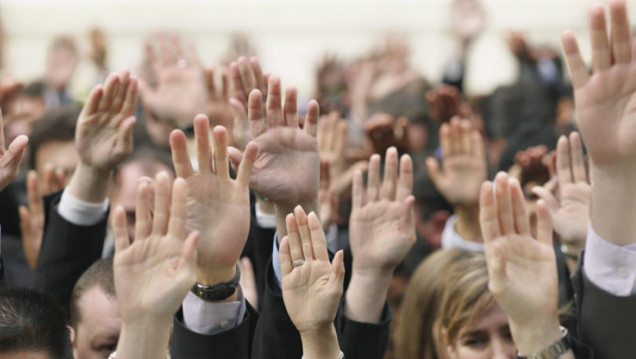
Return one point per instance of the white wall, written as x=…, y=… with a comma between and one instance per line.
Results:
x=290, y=35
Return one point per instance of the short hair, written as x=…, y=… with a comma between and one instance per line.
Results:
x=56, y=125
x=33, y=321
x=99, y=274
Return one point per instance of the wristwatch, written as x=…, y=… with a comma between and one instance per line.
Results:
x=554, y=351
x=218, y=292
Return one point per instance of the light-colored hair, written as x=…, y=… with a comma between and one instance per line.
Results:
x=429, y=289
x=465, y=299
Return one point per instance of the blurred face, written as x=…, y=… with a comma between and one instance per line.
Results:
x=61, y=154
x=126, y=190
x=489, y=338
x=97, y=333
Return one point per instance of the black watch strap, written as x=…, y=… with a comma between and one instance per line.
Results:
x=218, y=292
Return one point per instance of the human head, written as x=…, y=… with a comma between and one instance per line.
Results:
x=53, y=140
x=414, y=334
x=61, y=62
x=32, y=323
x=144, y=162
x=470, y=324
x=95, y=314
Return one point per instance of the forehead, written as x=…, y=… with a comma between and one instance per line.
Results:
x=493, y=318
x=100, y=315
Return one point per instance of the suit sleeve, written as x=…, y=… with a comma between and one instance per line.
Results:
x=67, y=251
x=605, y=322
x=235, y=343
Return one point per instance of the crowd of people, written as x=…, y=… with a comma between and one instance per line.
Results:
x=192, y=212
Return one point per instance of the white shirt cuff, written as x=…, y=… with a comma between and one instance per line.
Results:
x=610, y=267
x=264, y=220
x=81, y=213
x=209, y=318
x=451, y=239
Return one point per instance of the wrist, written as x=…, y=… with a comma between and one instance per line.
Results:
x=535, y=336
x=215, y=276
x=320, y=343
x=366, y=295
x=139, y=339
x=467, y=225
x=89, y=183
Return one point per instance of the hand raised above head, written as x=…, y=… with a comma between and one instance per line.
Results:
x=286, y=170
x=104, y=128
x=312, y=286
x=181, y=92
x=570, y=210
x=605, y=97
x=218, y=206
x=155, y=272
x=464, y=165
x=10, y=158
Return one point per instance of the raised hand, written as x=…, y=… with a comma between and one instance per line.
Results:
x=104, y=128
x=383, y=131
x=245, y=76
x=103, y=136
x=286, y=170
x=604, y=102
x=155, y=272
x=522, y=270
x=445, y=102
x=32, y=218
x=218, y=206
x=181, y=91
x=464, y=165
x=311, y=287
x=332, y=147
x=10, y=158
x=570, y=210
x=219, y=110
x=381, y=232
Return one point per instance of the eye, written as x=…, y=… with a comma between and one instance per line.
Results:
x=475, y=341
x=107, y=348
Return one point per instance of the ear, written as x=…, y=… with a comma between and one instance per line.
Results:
x=71, y=333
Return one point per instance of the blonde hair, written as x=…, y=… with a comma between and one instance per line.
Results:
x=466, y=298
x=425, y=295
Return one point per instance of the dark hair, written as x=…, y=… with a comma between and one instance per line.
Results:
x=56, y=125
x=100, y=274
x=33, y=321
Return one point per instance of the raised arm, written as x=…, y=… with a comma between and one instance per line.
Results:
x=381, y=232
x=10, y=158
x=312, y=286
x=462, y=171
x=103, y=136
x=155, y=272
x=604, y=102
x=287, y=168
x=522, y=270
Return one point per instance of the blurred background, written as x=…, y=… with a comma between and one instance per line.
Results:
x=287, y=35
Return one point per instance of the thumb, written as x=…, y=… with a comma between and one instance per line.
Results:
x=496, y=264
x=338, y=269
x=432, y=166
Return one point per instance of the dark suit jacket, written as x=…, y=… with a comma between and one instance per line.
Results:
x=606, y=323
x=67, y=251
x=273, y=335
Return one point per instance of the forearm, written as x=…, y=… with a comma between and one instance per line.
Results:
x=144, y=340
x=89, y=184
x=467, y=225
x=612, y=204
x=366, y=297
x=322, y=344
